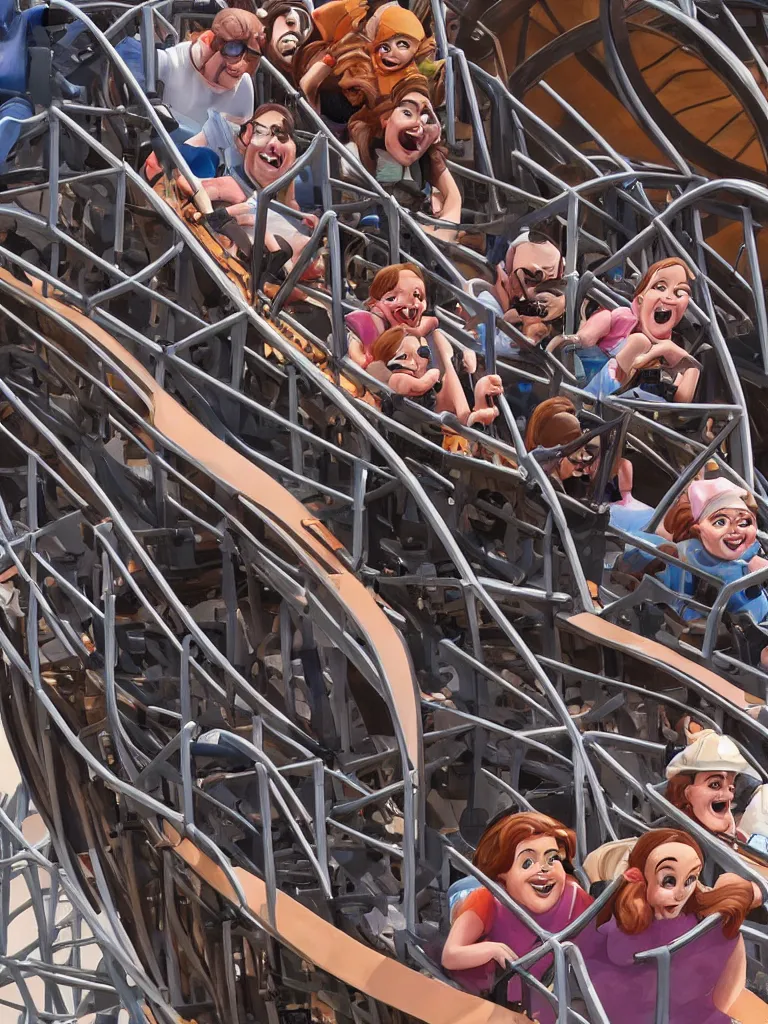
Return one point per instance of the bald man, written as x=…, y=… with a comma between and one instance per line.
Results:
x=215, y=72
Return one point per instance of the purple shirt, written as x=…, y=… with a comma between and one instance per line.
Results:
x=627, y=989
x=501, y=925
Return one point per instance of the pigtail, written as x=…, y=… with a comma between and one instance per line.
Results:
x=679, y=520
x=632, y=913
x=629, y=905
x=732, y=900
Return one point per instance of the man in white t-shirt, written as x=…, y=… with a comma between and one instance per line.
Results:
x=215, y=72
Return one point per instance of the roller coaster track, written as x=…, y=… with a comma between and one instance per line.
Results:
x=280, y=653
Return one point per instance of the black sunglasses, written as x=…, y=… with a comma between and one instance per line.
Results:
x=236, y=48
x=584, y=456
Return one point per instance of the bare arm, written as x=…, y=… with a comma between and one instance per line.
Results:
x=451, y=208
x=311, y=81
x=733, y=980
x=405, y=384
x=595, y=329
x=462, y=949
x=197, y=140
x=224, y=190
x=687, y=383
x=626, y=477
x=355, y=349
x=444, y=349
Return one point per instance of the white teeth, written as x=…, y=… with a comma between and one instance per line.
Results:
x=274, y=161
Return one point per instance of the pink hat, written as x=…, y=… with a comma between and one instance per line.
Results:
x=707, y=496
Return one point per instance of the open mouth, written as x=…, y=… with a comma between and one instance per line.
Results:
x=273, y=159
x=407, y=315
x=390, y=62
x=542, y=888
x=671, y=910
x=288, y=45
x=734, y=543
x=410, y=139
x=720, y=806
x=662, y=315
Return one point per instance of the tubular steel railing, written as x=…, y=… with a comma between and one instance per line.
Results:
x=270, y=646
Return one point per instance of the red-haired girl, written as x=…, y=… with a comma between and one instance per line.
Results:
x=527, y=854
x=660, y=900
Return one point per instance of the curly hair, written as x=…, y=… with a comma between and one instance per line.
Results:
x=630, y=905
x=495, y=852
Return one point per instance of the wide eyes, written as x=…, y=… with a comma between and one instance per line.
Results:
x=402, y=45
x=721, y=521
x=662, y=286
x=529, y=862
x=670, y=881
x=715, y=784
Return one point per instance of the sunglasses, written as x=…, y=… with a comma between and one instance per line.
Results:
x=584, y=456
x=261, y=132
x=529, y=277
x=237, y=48
x=397, y=364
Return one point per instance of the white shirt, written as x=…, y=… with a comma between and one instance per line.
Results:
x=388, y=170
x=483, y=292
x=189, y=96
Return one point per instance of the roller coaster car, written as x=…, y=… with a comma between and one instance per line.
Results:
x=240, y=276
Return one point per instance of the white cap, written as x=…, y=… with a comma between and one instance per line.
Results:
x=710, y=752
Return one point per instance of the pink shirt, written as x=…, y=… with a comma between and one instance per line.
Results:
x=623, y=322
x=362, y=323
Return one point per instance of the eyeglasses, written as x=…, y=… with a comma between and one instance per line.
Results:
x=237, y=48
x=260, y=132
